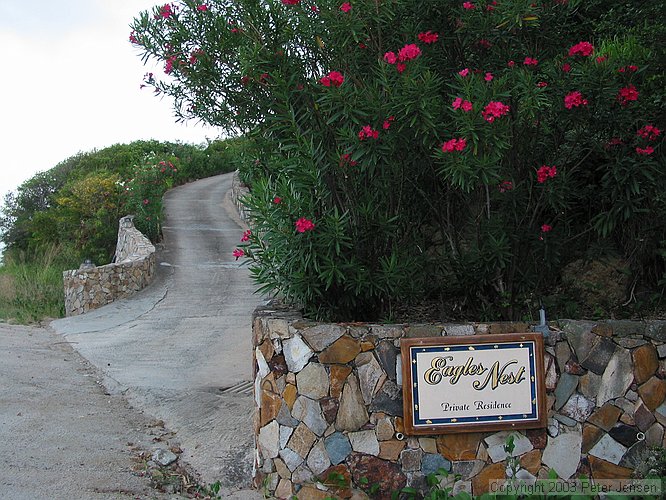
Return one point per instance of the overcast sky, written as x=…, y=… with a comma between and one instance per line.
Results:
x=69, y=82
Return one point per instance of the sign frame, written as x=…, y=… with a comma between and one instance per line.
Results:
x=415, y=425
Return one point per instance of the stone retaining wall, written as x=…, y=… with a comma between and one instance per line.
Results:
x=238, y=190
x=329, y=399
x=90, y=287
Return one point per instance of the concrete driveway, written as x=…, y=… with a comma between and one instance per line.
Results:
x=176, y=348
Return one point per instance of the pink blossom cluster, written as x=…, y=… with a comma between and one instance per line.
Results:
x=545, y=172
x=238, y=253
x=505, y=186
x=409, y=52
x=649, y=132
x=367, y=132
x=346, y=7
x=632, y=68
x=530, y=61
x=165, y=11
x=387, y=123
x=303, y=225
x=460, y=103
x=345, y=159
x=646, y=151
x=574, y=99
x=627, y=95
x=334, y=78
x=494, y=109
x=454, y=145
x=202, y=8
x=428, y=37
x=246, y=235
x=291, y=2
x=584, y=49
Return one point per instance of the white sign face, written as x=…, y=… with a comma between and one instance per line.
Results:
x=474, y=383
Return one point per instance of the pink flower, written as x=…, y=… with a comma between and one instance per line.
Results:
x=566, y=67
x=574, y=99
x=582, y=49
x=494, y=109
x=367, y=132
x=390, y=58
x=165, y=12
x=484, y=44
x=649, y=132
x=202, y=8
x=600, y=59
x=489, y=76
x=238, y=253
x=409, y=52
x=387, y=123
x=511, y=64
x=632, y=68
x=428, y=37
x=246, y=235
x=545, y=228
x=345, y=159
x=464, y=72
x=545, y=172
x=505, y=186
x=627, y=94
x=303, y=225
x=468, y=5
x=454, y=145
x=291, y=2
x=334, y=78
x=168, y=66
x=277, y=200
x=542, y=85
x=314, y=9
x=646, y=151
x=400, y=67
x=132, y=37
x=615, y=141
x=530, y=61
x=345, y=7
x=460, y=103
x=146, y=201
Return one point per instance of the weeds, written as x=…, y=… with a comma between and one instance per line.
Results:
x=31, y=285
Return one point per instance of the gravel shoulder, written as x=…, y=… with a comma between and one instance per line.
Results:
x=61, y=435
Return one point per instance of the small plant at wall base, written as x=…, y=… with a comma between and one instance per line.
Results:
x=429, y=150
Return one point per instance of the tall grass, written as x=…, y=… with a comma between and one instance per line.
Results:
x=31, y=287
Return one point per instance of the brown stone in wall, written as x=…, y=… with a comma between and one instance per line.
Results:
x=371, y=471
x=653, y=392
x=462, y=446
x=390, y=450
x=342, y=351
x=339, y=374
x=481, y=482
x=600, y=469
x=605, y=417
x=531, y=461
x=645, y=361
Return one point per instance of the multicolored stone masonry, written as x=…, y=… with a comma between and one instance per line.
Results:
x=329, y=424
x=90, y=287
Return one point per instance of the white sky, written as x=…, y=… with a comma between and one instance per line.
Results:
x=69, y=82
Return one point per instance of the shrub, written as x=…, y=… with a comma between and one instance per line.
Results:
x=439, y=149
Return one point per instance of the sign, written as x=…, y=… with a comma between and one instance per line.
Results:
x=473, y=383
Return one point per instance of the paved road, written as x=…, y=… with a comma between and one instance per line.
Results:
x=174, y=347
x=61, y=436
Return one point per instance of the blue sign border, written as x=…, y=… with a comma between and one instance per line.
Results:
x=530, y=345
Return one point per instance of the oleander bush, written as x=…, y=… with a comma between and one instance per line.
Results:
x=462, y=153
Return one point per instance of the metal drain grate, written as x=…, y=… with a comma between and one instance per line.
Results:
x=245, y=388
